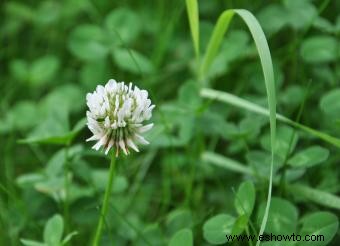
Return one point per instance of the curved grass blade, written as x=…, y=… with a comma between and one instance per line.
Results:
x=267, y=69
x=247, y=105
x=224, y=162
x=317, y=196
x=302, y=191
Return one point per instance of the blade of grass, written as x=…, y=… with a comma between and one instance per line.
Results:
x=224, y=162
x=317, y=196
x=267, y=69
x=247, y=105
x=192, y=10
x=215, y=40
x=302, y=191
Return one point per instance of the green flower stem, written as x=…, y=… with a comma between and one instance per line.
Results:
x=105, y=206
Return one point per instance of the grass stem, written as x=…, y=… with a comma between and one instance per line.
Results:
x=105, y=205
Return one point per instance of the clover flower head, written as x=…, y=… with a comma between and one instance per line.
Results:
x=116, y=115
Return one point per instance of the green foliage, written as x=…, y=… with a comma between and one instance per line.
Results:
x=53, y=233
x=309, y=157
x=214, y=144
x=283, y=217
x=320, y=223
x=245, y=198
x=216, y=228
x=182, y=237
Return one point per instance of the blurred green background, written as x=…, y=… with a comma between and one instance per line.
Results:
x=54, y=52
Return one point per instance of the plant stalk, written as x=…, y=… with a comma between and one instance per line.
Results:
x=106, y=201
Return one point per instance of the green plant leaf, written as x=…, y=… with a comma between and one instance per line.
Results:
x=319, y=49
x=309, y=157
x=192, y=10
x=132, y=61
x=43, y=70
x=245, y=198
x=123, y=25
x=27, y=242
x=69, y=237
x=283, y=217
x=330, y=103
x=324, y=224
x=178, y=219
x=88, y=42
x=216, y=228
x=54, y=230
x=277, y=15
x=317, y=196
x=54, y=131
x=19, y=69
x=247, y=105
x=226, y=163
x=240, y=224
x=183, y=237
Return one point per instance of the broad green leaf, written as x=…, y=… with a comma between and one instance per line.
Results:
x=19, y=69
x=20, y=11
x=29, y=179
x=260, y=162
x=179, y=219
x=48, y=13
x=22, y=116
x=43, y=70
x=300, y=13
x=183, y=237
x=216, y=228
x=63, y=98
x=282, y=218
x=272, y=18
x=309, y=157
x=88, y=42
x=330, y=103
x=54, y=230
x=324, y=25
x=240, y=224
x=324, y=224
x=188, y=96
x=245, y=198
x=132, y=61
x=123, y=25
x=54, y=131
x=286, y=140
x=317, y=196
x=94, y=73
x=319, y=49
x=152, y=235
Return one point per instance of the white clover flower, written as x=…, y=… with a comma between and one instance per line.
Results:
x=116, y=115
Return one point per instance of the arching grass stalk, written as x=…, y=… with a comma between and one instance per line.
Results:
x=267, y=68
